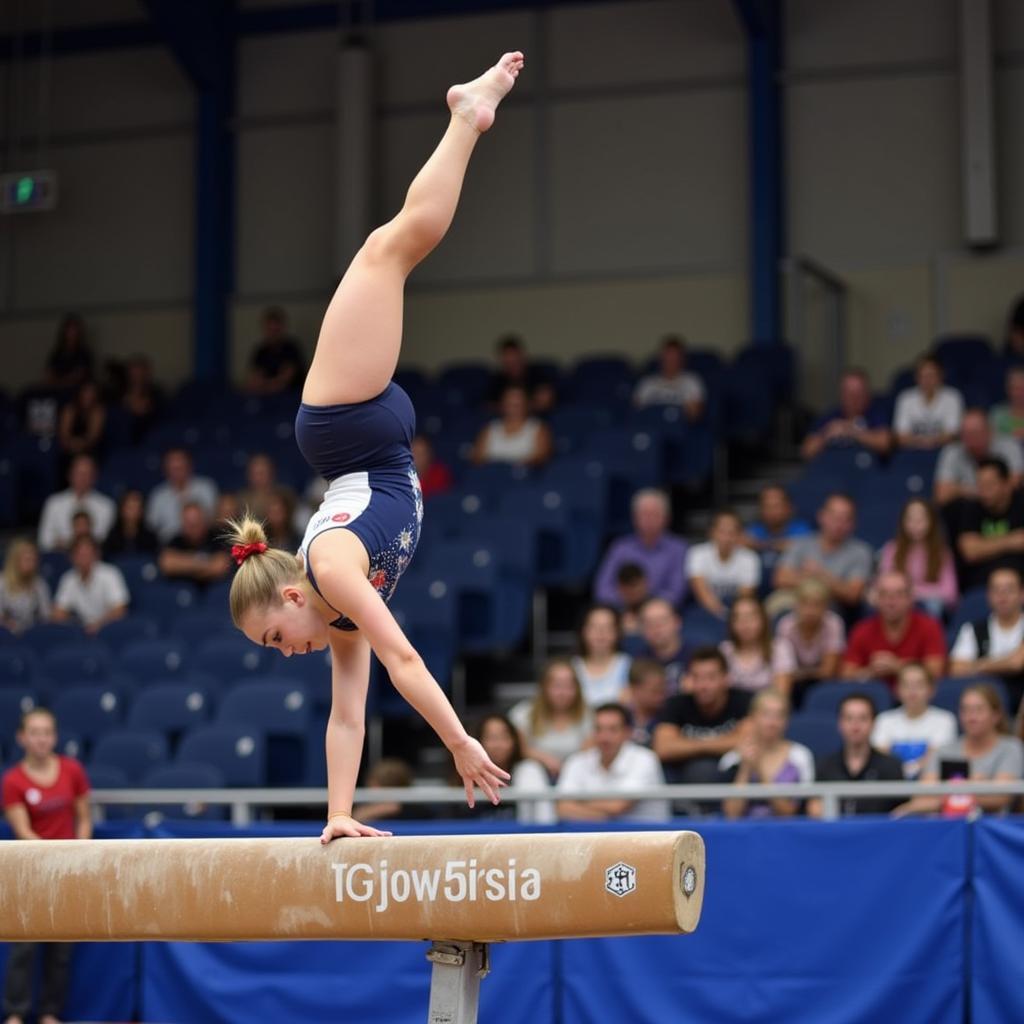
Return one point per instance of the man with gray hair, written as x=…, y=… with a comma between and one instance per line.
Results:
x=661, y=554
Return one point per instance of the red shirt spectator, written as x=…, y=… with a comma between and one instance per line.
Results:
x=51, y=808
x=435, y=476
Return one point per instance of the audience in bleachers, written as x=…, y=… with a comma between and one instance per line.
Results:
x=927, y=415
x=229, y=507
x=166, y=501
x=81, y=424
x=91, y=592
x=195, y=553
x=633, y=590
x=645, y=698
x=1014, y=348
x=24, y=595
x=262, y=485
x=279, y=521
x=765, y=755
x=661, y=640
x=556, y=721
x=660, y=554
x=516, y=437
x=957, y=468
x=857, y=760
x=435, y=476
x=755, y=659
x=673, y=384
x=613, y=762
x=81, y=494
x=81, y=526
x=391, y=773
x=501, y=741
x=1007, y=418
x=515, y=370
x=70, y=362
x=855, y=421
x=916, y=728
x=816, y=634
x=776, y=526
x=141, y=399
x=277, y=363
x=130, y=535
x=720, y=570
x=601, y=668
x=919, y=549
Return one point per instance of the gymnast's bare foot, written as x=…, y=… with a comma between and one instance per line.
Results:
x=476, y=101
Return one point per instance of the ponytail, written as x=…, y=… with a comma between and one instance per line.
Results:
x=262, y=570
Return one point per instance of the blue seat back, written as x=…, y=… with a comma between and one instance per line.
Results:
x=237, y=751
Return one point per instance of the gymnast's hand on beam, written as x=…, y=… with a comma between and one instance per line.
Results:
x=341, y=825
x=477, y=769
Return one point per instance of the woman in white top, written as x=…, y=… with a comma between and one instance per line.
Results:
x=602, y=669
x=913, y=730
x=721, y=569
x=500, y=739
x=927, y=416
x=24, y=594
x=755, y=660
x=557, y=721
x=516, y=437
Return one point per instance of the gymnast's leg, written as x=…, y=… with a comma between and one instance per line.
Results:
x=361, y=334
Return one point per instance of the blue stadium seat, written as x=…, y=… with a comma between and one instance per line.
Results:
x=877, y=520
x=973, y=607
x=104, y=776
x=165, y=598
x=236, y=751
x=948, y=692
x=823, y=698
x=910, y=472
x=701, y=628
x=194, y=628
x=8, y=492
x=53, y=565
x=451, y=515
x=817, y=732
x=7, y=638
x=47, y=636
x=117, y=635
x=131, y=468
x=18, y=665
x=140, y=572
x=851, y=464
x=153, y=659
x=314, y=670
x=133, y=752
x=464, y=384
x=959, y=354
x=230, y=656
x=14, y=702
x=571, y=425
x=170, y=708
x=81, y=661
x=601, y=380
x=88, y=711
x=808, y=493
x=493, y=479
x=584, y=481
x=187, y=775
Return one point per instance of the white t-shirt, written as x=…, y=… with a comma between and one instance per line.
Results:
x=501, y=446
x=163, y=508
x=741, y=569
x=608, y=687
x=1000, y=641
x=558, y=743
x=90, y=600
x=916, y=416
x=55, y=520
x=530, y=775
x=683, y=389
x=910, y=739
x=634, y=767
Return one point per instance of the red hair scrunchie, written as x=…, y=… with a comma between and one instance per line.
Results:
x=240, y=552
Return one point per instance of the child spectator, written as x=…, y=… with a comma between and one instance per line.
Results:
x=816, y=634
x=81, y=424
x=391, y=773
x=673, y=384
x=166, y=500
x=632, y=590
x=24, y=594
x=516, y=437
x=929, y=414
x=500, y=739
x=276, y=364
x=720, y=570
x=1007, y=418
x=755, y=660
x=195, y=554
x=55, y=520
x=645, y=698
x=130, y=535
x=600, y=666
x=91, y=591
x=435, y=476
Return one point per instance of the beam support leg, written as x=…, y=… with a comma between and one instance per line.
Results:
x=455, y=981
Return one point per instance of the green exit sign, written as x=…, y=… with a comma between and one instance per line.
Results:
x=28, y=191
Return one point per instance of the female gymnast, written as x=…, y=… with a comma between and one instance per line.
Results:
x=355, y=427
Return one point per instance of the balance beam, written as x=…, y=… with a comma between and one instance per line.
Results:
x=474, y=888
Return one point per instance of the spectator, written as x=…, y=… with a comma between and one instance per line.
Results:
x=614, y=762
x=765, y=755
x=228, y=507
x=928, y=415
x=853, y=422
x=556, y=721
x=990, y=528
x=46, y=796
x=514, y=370
x=600, y=666
x=984, y=753
x=130, y=535
x=660, y=554
x=81, y=424
x=70, y=361
x=391, y=773
x=913, y=730
x=720, y=570
x=142, y=400
x=500, y=740
x=672, y=384
x=832, y=556
x=81, y=526
x=994, y=646
x=776, y=526
x=195, y=554
x=1015, y=331
x=261, y=486
x=645, y=698
x=278, y=522
x=882, y=644
x=755, y=660
x=816, y=634
x=632, y=591
x=698, y=727
x=277, y=364
x=1007, y=418
x=516, y=437
x=857, y=760
x=24, y=594
x=166, y=500
x=92, y=592
x=58, y=509
x=920, y=550
x=661, y=639
x=435, y=476
x=957, y=468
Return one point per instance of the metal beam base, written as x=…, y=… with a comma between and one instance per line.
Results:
x=455, y=981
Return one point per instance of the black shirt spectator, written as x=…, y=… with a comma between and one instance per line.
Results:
x=514, y=370
x=130, y=535
x=142, y=400
x=879, y=767
x=70, y=361
x=81, y=425
x=277, y=363
x=990, y=529
x=195, y=553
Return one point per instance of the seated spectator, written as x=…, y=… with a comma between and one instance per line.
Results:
x=698, y=727
x=990, y=528
x=90, y=592
x=929, y=414
x=994, y=646
x=613, y=762
x=673, y=384
x=660, y=554
x=983, y=753
x=81, y=424
x=500, y=740
x=857, y=760
x=276, y=364
x=645, y=698
x=195, y=554
x=391, y=773
x=661, y=640
x=515, y=370
x=516, y=437
x=832, y=556
x=81, y=494
x=261, y=485
x=70, y=362
x=957, y=468
x=882, y=644
x=720, y=570
x=130, y=535
x=755, y=660
x=278, y=522
x=24, y=594
x=435, y=476
x=914, y=729
x=228, y=507
x=765, y=755
x=556, y=721
x=81, y=526
x=166, y=500
x=816, y=634
x=1007, y=418
x=920, y=550
x=600, y=666
x=853, y=422
x=776, y=526
x=632, y=590
x=1014, y=348
x=142, y=399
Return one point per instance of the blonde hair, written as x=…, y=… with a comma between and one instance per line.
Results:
x=767, y=694
x=13, y=581
x=541, y=712
x=258, y=580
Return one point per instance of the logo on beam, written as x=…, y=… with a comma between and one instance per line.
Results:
x=620, y=879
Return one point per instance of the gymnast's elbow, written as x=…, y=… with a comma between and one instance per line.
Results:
x=404, y=666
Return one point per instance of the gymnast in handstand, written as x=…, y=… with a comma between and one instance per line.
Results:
x=355, y=427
